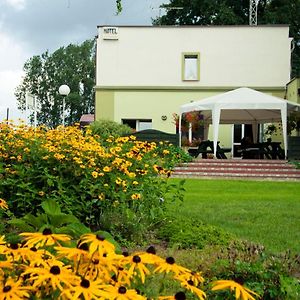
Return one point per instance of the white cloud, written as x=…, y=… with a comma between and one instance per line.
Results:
x=16, y=4
x=12, y=53
x=8, y=82
x=12, y=58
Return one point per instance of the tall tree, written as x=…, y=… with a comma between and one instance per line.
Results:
x=73, y=65
x=236, y=12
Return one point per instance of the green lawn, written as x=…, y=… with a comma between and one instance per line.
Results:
x=260, y=211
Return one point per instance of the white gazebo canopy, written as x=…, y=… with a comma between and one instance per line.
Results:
x=242, y=106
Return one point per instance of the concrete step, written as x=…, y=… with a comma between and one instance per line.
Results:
x=233, y=167
x=237, y=169
x=227, y=162
x=238, y=176
x=262, y=169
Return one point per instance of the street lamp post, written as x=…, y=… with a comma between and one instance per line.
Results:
x=64, y=90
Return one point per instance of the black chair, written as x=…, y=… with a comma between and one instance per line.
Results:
x=221, y=151
x=276, y=151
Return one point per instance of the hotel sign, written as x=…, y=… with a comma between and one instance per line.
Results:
x=110, y=33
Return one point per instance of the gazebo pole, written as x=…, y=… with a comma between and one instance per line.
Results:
x=179, y=129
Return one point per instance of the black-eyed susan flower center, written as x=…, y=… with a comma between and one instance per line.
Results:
x=55, y=270
x=14, y=246
x=85, y=283
x=136, y=259
x=125, y=253
x=33, y=249
x=47, y=231
x=122, y=290
x=180, y=296
x=6, y=289
x=84, y=247
x=170, y=260
x=26, y=277
x=190, y=282
x=151, y=250
x=100, y=237
x=114, y=278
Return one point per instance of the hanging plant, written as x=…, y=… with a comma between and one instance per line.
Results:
x=271, y=129
x=293, y=123
x=194, y=118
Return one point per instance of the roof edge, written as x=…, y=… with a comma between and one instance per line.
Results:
x=191, y=26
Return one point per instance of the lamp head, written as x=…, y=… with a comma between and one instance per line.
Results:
x=64, y=90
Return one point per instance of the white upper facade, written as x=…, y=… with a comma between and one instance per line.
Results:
x=230, y=56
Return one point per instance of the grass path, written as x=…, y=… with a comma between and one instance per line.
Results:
x=260, y=211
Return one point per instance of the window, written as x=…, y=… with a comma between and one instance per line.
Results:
x=191, y=66
x=144, y=124
x=138, y=125
x=131, y=123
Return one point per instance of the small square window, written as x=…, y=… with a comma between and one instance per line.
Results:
x=191, y=66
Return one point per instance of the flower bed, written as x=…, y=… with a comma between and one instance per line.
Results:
x=117, y=184
x=111, y=184
x=46, y=265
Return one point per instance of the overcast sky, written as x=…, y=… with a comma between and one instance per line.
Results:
x=30, y=27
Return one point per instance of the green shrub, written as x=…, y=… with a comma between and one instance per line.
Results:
x=271, y=276
x=107, y=128
x=296, y=164
x=187, y=233
x=175, y=154
x=87, y=179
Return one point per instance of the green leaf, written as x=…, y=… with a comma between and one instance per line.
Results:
x=37, y=222
x=119, y=6
x=75, y=229
x=59, y=220
x=12, y=238
x=50, y=182
x=51, y=207
x=21, y=225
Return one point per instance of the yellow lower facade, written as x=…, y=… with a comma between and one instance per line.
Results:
x=158, y=104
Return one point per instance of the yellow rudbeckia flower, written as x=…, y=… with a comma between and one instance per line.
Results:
x=45, y=238
x=13, y=290
x=97, y=243
x=122, y=293
x=3, y=204
x=86, y=289
x=241, y=292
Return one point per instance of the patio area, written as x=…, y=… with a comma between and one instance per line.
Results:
x=243, y=106
x=247, y=150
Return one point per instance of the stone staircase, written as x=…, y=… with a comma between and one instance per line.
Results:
x=238, y=168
